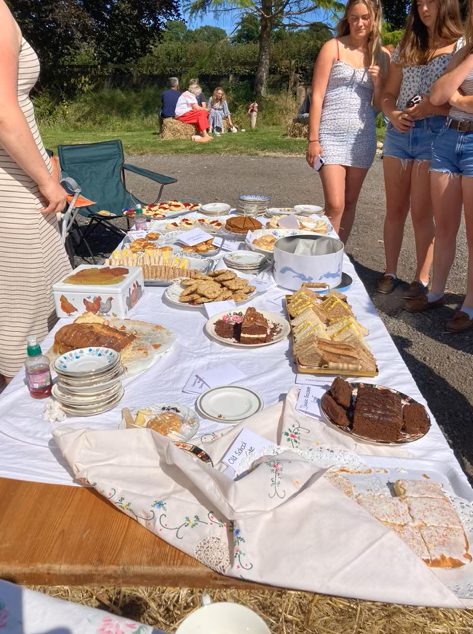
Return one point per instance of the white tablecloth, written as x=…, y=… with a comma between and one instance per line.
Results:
x=29, y=452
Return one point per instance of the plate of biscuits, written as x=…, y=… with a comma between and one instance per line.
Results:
x=217, y=286
x=373, y=413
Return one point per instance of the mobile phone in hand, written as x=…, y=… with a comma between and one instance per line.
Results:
x=413, y=101
x=318, y=163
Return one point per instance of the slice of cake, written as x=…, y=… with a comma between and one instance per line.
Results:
x=448, y=547
x=341, y=391
x=418, y=489
x=413, y=538
x=377, y=414
x=433, y=512
x=334, y=411
x=415, y=419
x=385, y=508
x=254, y=327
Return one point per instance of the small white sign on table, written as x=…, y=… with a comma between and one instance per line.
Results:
x=308, y=401
x=193, y=237
x=246, y=448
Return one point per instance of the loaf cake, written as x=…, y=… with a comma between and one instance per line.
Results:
x=334, y=411
x=83, y=335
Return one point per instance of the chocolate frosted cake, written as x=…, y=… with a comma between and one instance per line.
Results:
x=415, y=419
x=377, y=414
x=254, y=327
x=229, y=327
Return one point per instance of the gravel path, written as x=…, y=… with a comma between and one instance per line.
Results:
x=441, y=363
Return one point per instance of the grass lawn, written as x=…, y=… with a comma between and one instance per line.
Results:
x=269, y=140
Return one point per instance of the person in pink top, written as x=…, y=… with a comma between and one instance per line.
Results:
x=189, y=111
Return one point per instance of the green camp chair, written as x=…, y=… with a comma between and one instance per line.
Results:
x=99, y=168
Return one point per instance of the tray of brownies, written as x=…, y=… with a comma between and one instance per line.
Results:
x=327, y=338
x=374, y=413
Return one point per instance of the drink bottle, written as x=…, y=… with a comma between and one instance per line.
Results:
x=38, y=374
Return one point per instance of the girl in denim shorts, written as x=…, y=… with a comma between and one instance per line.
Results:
x=433, y=34
x=452, y=180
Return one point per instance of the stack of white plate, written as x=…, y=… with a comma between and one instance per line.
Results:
x=248, y=261
x=89, y=381
x=253, y=204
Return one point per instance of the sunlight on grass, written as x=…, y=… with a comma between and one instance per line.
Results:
x=270, y=140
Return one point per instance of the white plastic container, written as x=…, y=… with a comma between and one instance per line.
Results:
x=308, y=258
x=114, y=300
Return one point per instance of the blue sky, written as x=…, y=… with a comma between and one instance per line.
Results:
x=228, y=20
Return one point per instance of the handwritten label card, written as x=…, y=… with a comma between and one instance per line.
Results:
x=134, y=235
x=217, y=241
x=246, y=448
x=308, y=401
x=288, y=222
x=193, y=237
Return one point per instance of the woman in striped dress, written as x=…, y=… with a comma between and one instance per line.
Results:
x=452, y=181
x=32, y=256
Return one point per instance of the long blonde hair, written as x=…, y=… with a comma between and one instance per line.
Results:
x=415, y=47
x=374, y=40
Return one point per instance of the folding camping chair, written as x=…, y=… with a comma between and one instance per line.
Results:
x=99, y=168
x=68, y=222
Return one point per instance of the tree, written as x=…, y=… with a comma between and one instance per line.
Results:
x=395, y=13
x=269, y=15
x=210, y=34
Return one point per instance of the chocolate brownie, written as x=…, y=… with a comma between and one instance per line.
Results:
x=415, y=419
x=333, y=410
x=377, y=414
x=341, y=391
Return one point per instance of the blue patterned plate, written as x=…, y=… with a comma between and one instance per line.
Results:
x=83, y=361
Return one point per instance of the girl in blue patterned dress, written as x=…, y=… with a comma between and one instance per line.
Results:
x=346, y=90
x=433, y=33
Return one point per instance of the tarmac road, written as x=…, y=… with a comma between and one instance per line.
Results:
x=440, y=362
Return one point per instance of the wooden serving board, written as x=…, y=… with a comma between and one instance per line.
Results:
x=304, y=369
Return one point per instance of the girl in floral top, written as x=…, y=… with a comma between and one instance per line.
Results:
x=432, y=35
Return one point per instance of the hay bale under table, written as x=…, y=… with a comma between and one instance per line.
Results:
x=296, y=130
x=285, y=611
x=177, y=130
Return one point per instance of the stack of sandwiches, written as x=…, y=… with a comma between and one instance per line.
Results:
x=327, y=336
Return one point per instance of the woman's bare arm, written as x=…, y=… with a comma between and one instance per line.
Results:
x=446, y=86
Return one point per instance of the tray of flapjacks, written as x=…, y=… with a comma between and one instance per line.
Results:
x=327, y=338
x=139, y=343
x=160, y=268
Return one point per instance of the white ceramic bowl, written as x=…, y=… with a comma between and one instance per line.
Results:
x=215, y=209
x=219, y=618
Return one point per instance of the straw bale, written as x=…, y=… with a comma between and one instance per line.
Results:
x=297, y=130
x=173, y=129
x=285, y=611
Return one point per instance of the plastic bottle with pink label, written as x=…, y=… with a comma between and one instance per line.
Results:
x=38, y=374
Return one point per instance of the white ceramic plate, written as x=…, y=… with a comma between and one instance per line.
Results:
x=277, y=233
x=85, y=399
x=93, y=410
x=94, y=384
x=244, y=259
x=190, y=423
x=273, y=318
x=86, y=361
x=215, y=209
x=279, y=211
x=318, y=224
x=229, y=404
x=173, y=292
x=307, y=210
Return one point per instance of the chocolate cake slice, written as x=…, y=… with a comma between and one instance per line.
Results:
x=334, y=411
x=254, y=327
x=341, y=391
x=377, y=414
x=415, y=419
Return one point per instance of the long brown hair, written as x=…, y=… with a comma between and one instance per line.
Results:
x=415, y=47
x=469, y=29
x=374, y=40
x=214, y=95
